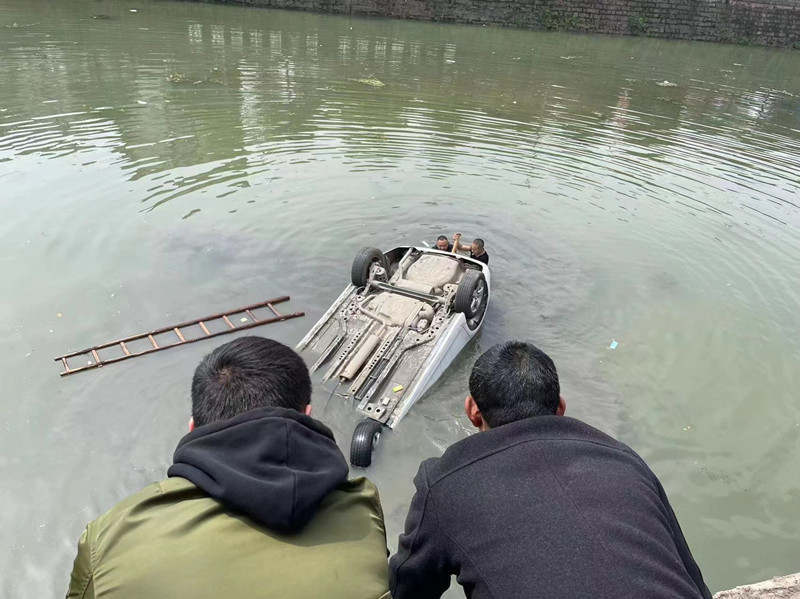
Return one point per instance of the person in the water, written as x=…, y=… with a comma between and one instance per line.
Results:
x=476, y=249
x=443, y=244
x=257, y=502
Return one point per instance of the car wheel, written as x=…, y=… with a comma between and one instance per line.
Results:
x=365, y=437
x=471, y=295
x=366, y=257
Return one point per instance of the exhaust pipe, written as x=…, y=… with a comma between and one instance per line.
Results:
x=357, y=361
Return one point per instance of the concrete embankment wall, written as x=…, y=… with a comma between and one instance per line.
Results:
x=769, y=22
x=782, y=587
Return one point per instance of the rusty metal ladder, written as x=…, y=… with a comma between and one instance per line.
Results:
x=98, y=361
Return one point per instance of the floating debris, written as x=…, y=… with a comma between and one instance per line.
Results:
x=613, y=344
x=192, y=212
x=779, y=91
x=176, y=77
x=133, y=10
x=142, y=102
x=568, y=57
x=666, y=83
x=371, y=81
x=101, y=17
x=214, y=77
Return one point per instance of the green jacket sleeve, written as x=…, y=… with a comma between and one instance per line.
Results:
x=80, y=582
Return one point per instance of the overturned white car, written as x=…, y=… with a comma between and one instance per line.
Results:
x=395, y=329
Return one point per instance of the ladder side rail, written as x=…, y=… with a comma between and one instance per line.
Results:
x=188, y=323
x=163, y=347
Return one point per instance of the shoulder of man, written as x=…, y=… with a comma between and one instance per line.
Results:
x=100, y=529
x=359, y=489
x=101, y=532
x=538, y=429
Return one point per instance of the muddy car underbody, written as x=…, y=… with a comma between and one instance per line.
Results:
x=395, y=329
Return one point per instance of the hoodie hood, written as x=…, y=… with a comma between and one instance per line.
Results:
x=274, y=465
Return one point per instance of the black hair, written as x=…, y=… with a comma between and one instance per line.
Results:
x=513, y=381
x=479, y=242
x=441, y=238
x=245, y=374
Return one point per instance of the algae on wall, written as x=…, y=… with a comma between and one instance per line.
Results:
x=770, y=23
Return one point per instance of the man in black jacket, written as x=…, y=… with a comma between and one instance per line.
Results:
x=538, y=504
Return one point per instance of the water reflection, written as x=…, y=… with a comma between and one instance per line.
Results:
x=226, y=103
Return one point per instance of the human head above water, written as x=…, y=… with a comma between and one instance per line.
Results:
x=477, y=246
x=442, y=243
x=245, y=374
x=512, y=381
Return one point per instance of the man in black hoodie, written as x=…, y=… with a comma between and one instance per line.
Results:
x=257, y=503
x=538, y=504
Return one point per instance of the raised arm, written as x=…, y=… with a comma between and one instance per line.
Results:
x=458, y=246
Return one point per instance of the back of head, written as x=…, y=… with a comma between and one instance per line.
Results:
x=441, y=238
x=245, y=374
x=479, y=242
x=512, y=381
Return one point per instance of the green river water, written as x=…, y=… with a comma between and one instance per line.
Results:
x=181, y=159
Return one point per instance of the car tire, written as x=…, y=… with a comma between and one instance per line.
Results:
x=365, y=437
x=471, y=295
x=359, y=272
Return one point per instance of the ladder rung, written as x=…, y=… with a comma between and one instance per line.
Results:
x=228, y=321
x=203, y=326
x=179, y=334
x=125, y=348
x=66, y=366
x=274, y=311
x=153, y=341
x=96, y=357
x=251, y=315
